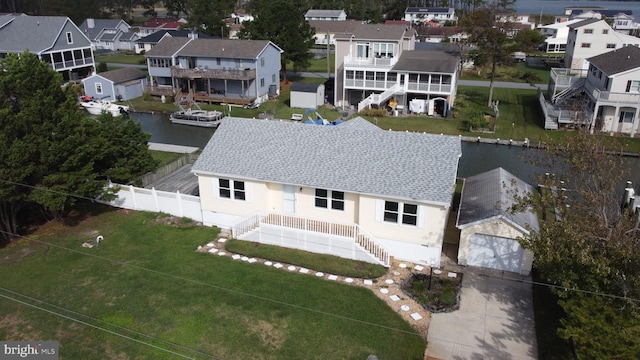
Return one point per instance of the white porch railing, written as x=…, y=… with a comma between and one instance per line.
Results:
x=377, y=98
x=361, y=238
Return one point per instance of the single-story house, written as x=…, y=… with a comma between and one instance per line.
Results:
x=352, y=190
x=121, y=84
x=488, y=228
x=307, y=95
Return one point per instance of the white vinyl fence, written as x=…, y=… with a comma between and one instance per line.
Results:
x=173, y=203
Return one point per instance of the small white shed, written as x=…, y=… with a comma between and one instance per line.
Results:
x=307, y=95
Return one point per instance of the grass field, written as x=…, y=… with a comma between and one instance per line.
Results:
x=145, y=281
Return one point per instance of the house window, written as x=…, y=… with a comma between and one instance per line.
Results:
x=261, y=82
x=362, y=50
x=227, y=188
x=262, y=62
x=633, y=86
x=588, y=31
x=218, y=62
x=606, y=83
x=605, y=31
x=585, y=45
x=98, y=88
x=626, y=117
x=383, y=50
x=326, y=197
x=349, y=75
x=69, y=38
x=611, y=46
x=396, y=212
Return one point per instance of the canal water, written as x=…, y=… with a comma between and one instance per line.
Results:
x=476, y=157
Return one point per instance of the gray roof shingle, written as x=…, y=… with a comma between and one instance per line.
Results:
x=376, y=32
x=98, y=25
x=224, y=48
x=427, y=61
x=36, y=33
x=323, y=13
x=490, y=194
x=617, y=61
x=356, y=159
x=123, y=74
x=167, y=47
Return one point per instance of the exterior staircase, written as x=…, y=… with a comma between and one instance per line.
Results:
x=377, y=99
x=568, y=92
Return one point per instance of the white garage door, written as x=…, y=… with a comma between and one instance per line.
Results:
x=495, y=253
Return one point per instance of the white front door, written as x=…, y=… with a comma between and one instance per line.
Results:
x=289, y=199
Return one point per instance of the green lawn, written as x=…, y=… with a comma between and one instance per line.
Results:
x=518, y=72
x=146, y=281
x=164, y=157
x=121, y=59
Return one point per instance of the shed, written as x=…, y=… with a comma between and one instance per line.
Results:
x=121, y=84
x=488, y=228
x=307, y=95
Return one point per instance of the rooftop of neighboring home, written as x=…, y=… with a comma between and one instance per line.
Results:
x=617, y=61
x=93, y=27
x=225, y=48
x=334, y=27
x=159, y=35
x=584, y=23
x=305, y=87
x=427, y=61
x=431, y=10
x=375, y=32
x=560, y=25
x=123, y=74
x=491, y=195
x=351, y=157
x=168, y=46
x=323, y=13
x=603, y=12
x=37, y=33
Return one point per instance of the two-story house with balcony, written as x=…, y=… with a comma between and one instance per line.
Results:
x=55, y=39
x=378, y=66
x=215, y=70
x=419, y=15
x=606, y=99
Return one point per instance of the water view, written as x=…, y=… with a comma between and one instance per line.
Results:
x=557, y=7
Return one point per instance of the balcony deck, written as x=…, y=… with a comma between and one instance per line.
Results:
x=202, y=96
x=203, y=73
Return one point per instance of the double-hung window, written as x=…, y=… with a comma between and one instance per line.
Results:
x=328, y=199
x=232, y=189
x=400, y=213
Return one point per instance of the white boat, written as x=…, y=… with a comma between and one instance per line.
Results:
x=96, y=107
x=199, y=117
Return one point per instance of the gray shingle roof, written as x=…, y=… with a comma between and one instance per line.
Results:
x=123, y=74
x=323, y=13
x=357, y=159
x=99, y=24
x=238, y=49
x=489, y=195
x=376, y=32
x=584, y=23
x=305, y=87
x=36, y=33
x=167, y=47
x=617, y=61
x=427, y=61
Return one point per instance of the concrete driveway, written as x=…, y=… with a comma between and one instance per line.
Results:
x=495, y=320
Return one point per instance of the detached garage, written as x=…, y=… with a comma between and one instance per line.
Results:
x=488, y=230
x=116, y=85
x=307, y=95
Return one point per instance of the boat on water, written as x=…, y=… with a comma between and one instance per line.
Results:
x=96, y=107
x=197, y=117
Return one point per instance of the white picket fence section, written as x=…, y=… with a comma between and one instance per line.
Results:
x=173, y=203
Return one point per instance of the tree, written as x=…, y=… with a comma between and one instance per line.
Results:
x=529, y=39
x=489, y=31
x=592, y=253
x=53, y=153
x=208, y=15
x=282, y=22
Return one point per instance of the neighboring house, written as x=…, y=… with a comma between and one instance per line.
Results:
x=215, y=70
x=147, y=43
x=625, y=24
x=157, y=24
x=592, y=37
x=377, y=66
x=488, y=229
x=121, y=84
x=351, y=190
x=109, y=34
x=326, y=30
x=607, y=99
x=418, y=15
x=452, y=34
x=241, y=16
x=331, y=15
x=557, y=35
x=56, y=40
x=307, y=95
